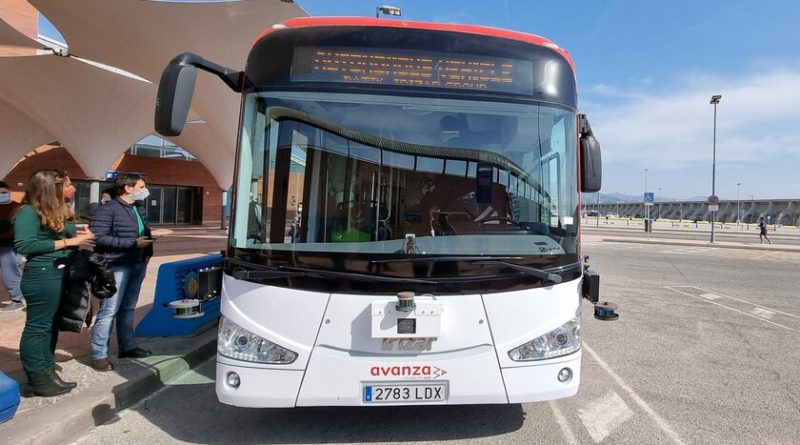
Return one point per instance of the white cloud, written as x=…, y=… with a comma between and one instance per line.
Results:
x=671, y=129
x=755, y=118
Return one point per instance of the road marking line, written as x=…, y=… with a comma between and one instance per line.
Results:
x=732, y=309
x=569, y=436
x=602, y=416
x=623, y=246
x=639, y=401
x=740, y=301
x=710, y=296
x=685, y=250
x=763, y=313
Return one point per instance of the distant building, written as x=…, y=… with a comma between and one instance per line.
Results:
x=182, y=191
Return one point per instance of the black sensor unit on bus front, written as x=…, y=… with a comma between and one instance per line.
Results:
x=406, y=325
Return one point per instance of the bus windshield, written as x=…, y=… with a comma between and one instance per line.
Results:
x=400, y=176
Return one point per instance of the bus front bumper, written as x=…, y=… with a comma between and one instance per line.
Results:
x=335, y=379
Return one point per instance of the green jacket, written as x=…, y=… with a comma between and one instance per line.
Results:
x=37, y=243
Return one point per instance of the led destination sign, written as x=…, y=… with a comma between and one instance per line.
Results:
x=412, y=68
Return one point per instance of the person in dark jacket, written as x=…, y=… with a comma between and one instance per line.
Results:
x=122, y=236
x=45, y=233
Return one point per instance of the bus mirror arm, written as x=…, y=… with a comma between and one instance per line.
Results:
x=591, y=285
x=176, y=87
x=590, y=290
x=591, y=161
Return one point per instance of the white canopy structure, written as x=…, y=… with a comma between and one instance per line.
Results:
x=9, y=36
x=94, y=113
x=97, y=114
x=19, y=133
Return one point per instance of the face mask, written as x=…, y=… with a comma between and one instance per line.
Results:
x=69, y=191
x=141, y=195
x=5, y=198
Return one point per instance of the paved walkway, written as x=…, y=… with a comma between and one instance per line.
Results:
x=176, y=244
x=100, y=394
x=784, y=240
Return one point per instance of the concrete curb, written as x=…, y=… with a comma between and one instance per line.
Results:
x=64, y=419
x=747, y=235
x=719, y=245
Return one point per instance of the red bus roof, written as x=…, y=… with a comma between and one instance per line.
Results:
x=389, y=23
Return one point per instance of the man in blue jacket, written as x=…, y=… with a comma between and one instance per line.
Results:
x=123, y=237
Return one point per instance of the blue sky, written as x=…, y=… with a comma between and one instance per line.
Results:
x=646, y=72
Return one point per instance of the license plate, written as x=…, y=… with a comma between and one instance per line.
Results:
x=404, y=392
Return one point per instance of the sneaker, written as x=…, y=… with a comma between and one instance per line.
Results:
x=135, y=353
x=14, y=306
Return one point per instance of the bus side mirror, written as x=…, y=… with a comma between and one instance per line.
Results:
x=591, y=165
x=591, y=161
x=174, y=97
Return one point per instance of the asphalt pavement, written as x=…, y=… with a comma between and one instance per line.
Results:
x=704, y=352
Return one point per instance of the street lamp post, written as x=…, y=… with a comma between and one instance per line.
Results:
x=388, y=10
x=646, y=207
x=659, y=202
x=738, y=211
x=714, y=101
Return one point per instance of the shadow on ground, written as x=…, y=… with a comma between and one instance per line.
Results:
x=191, y=413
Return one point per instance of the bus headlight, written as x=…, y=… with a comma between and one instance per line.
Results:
x=562, y=340
x=238, y=343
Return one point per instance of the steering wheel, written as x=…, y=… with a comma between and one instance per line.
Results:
x=499, y=218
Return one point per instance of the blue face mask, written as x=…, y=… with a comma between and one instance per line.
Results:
x=5, y=198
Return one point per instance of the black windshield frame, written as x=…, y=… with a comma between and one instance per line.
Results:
x=447, y=277
x=269, y=68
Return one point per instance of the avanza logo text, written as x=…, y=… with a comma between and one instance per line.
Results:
x=424, y=371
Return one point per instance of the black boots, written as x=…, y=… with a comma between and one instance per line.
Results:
x=60, y=382
x=48, y=384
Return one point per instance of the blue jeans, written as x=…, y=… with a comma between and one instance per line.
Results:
x=120, y=306
x=11, y=269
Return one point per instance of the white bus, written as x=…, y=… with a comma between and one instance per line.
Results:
x=406, y=214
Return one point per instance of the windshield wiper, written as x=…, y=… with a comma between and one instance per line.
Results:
x=276, y=272
x=544, y=274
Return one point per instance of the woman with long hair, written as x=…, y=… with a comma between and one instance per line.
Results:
x=44, y=231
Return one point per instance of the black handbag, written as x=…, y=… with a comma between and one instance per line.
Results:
x=87, y=274
x=104, y=285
